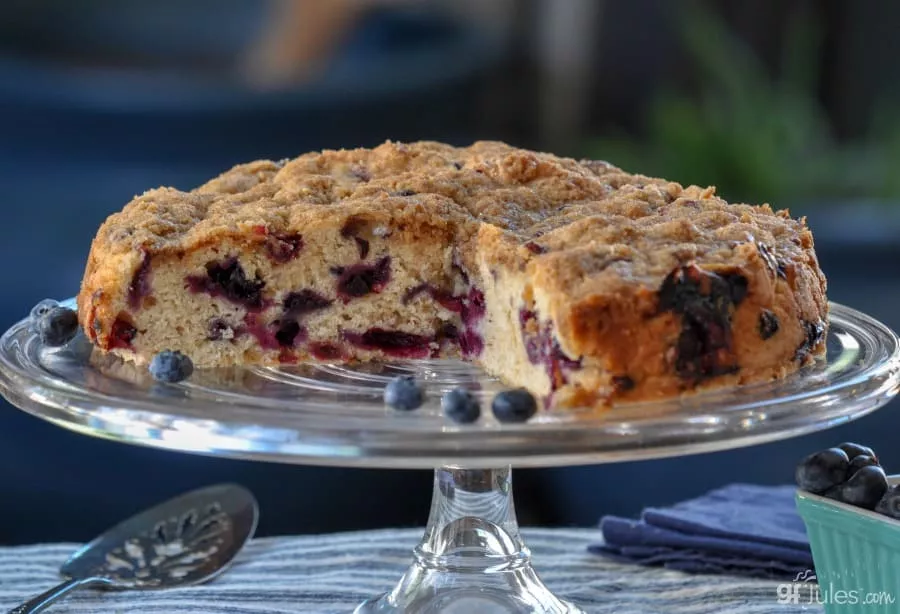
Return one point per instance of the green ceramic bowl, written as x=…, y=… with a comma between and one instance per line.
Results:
x=857, y=558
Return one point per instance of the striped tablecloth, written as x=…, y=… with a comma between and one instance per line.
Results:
x=331, y=574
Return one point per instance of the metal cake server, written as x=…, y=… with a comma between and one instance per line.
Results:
x=186, y=540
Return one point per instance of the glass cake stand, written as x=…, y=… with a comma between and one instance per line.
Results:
x=472, y=559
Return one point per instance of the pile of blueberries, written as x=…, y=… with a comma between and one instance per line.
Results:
x=850, y=473
x=57, y=326
x=404, y=393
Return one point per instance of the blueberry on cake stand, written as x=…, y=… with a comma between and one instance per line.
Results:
x=472, y=558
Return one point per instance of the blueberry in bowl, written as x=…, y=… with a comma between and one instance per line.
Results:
x=889, y=505
x=848, y=473
x=854, y=450
x=823, y=470
x=865, y=488
x=851, y=510
x=863, y=460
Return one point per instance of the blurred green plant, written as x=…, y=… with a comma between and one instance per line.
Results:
x=755, y=137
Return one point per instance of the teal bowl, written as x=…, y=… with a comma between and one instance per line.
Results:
x=857, y=558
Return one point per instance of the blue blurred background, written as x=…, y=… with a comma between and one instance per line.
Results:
x=781, y=101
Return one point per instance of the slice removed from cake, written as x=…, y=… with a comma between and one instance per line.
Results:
x=577, y=280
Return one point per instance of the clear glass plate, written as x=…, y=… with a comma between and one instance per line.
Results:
x=334, y=414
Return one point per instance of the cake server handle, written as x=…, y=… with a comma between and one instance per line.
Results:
x=40, y=602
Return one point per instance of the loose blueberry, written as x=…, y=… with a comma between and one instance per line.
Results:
x=516, y=405
x=58, y=326
x=404, y=393
x=820, y=471
x=858, y=462
x=39, y=311
x=854, y=449
x=461, y=406
x=171, y=367
x=865, y=487
x=890, y=503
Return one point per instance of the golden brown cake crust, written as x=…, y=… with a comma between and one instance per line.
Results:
x=652, y=288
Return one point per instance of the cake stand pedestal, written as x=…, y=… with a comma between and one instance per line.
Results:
x=472, y=559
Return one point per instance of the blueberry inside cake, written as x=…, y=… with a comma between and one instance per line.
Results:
x=575, y=279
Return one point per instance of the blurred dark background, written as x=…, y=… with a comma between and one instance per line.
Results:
x=781, y=101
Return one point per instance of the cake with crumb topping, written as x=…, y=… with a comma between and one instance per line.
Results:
x=575, y=279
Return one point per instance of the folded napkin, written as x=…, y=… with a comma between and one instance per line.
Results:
x=741, y=529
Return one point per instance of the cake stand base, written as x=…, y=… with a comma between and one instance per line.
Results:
x=472, y=559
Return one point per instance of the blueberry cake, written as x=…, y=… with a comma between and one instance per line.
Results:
x=575, y=279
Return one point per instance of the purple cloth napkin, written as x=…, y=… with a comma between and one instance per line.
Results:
x=741, y=529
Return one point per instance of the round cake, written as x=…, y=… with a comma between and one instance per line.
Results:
x=583, y=283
